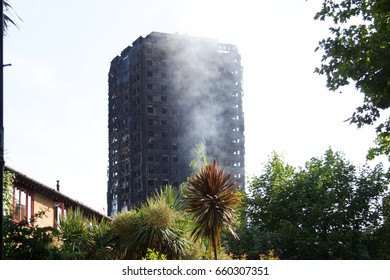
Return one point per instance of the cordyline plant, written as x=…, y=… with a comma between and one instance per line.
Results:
x=211, y=196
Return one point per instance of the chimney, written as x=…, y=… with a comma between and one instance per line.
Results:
x=58, y=185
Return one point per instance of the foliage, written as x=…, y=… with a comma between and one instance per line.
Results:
x=153, y=255
x=379, y=243
x=326, y=210
x=103, y=240
x=358, y=50
x=270, y=256
x=8, y=179
x=159, y=230
x=8, y=14
x=249, y=241
x=211, y=197
x=75, y=236
x=25, y=241
x=382, y=142
x=78, y=237
x=199, y=158
x=241, y=257
x=82, y=238
x=159, y=225
x=124, y=226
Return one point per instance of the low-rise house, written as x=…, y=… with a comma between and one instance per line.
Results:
x=31, y=197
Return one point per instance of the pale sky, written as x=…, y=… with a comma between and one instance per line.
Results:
x=56, y=91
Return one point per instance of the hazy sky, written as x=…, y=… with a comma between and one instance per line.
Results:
x=55, y=114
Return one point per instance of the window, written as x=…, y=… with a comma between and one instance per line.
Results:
x=164, y=98
x=23, y=204
x=59, y=212
x=149, y=86
x=149, y=74
x=174, y=147
x=164, y=171
x=164, y=122
x=150, y=109
x=164, y=110
x=165, y=158
x=175, y=159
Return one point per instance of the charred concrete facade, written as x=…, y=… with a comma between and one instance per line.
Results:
x=168, y=93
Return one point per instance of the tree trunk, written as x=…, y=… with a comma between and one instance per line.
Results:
x=214, y=244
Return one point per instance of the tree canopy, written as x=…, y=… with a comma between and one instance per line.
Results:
x=358, y=51
x=328, y=209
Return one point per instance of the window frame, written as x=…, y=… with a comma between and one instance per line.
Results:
x=57, y=216
x=29, y=204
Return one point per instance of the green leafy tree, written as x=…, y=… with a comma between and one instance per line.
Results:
x=249, y=242
x=358, y=51
x=199, y=158
x=382, y=142
x=26, y=241
x=211, y=196
x=379, y=243
x=326, y=210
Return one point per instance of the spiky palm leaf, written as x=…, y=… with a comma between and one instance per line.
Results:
x=211, y=196
x=7, y=17
x=161, y=229
x=77, y=241
x=168, y=194
x=156, y=225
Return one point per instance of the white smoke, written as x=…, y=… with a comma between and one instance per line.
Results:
x=203, y=81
